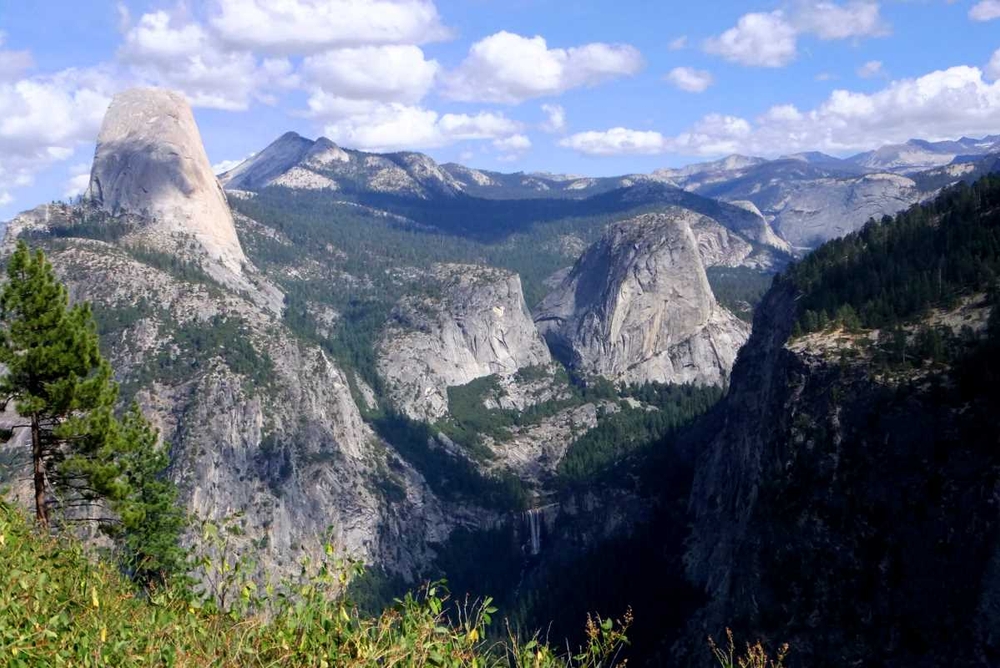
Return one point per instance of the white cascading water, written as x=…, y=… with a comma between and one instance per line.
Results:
x=534, y=519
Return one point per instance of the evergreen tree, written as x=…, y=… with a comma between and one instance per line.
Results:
x=64, y=389
x=151, y=520
x=55, y=377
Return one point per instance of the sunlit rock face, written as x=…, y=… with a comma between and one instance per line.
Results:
x=150, y=161
x=637, y=307
x=472, y=322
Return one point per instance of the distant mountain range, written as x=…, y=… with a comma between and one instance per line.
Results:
x=805, y=198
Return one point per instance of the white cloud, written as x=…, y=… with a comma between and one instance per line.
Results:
x=224, y=166
x=78, y=181
x=985, y=10
x=771, y=39
x=309, y=26
x=616, y=141
x=939, y=105
x=829, y=21
x=509, y=68
x=185, y=57
x=760, y=40
x=395, y=73
x=44, y=119
x=678, y=43
x=513, y=144
x=690, y=79
x=5, y=198
x=13, y=63
x=993, y=68
x=555, y=118
x=871, y=69
x=397, y=126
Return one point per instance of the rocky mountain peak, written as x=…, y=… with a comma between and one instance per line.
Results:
x=637, y=307
x=324, y=153
x=150, y=161
x=277, y=158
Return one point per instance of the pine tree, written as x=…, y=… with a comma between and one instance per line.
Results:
x=151, y=521
x=62, y=386
x=55, y=377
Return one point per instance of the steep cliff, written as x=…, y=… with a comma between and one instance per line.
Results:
x=637, y=307
x=845, y=500
x=150, y=162
x=471, y=322
x=261, y=420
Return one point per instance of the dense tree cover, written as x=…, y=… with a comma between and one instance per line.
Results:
x=83, y=458
x=469, y=421
x=633, y=428
x=895, y=269
x=374, y=247
x=739, y=289
x=533, y=238
x=453, y=478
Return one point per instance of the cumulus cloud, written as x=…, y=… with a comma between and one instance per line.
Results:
x=78, y=181
x=760, y=40
x=939, y=105
x=993, y=68
x=224, y=166
x=509, y=68
x=555, y=118
x=871, y=69
x=771, y=39
x=395, y=73
x=678, y=43
x=985, y=10
x=288, y=27
x=395, y=126
x=690, y=79
x=512, y=148
x=616, y=141
x=185, y=57
x=13, y=63
x=829, y=21
x=44, y=119
x=513, y=144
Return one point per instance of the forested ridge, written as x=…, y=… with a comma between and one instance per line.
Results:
x=895, y=269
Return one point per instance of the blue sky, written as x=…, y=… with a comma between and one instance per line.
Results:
x=590, y=87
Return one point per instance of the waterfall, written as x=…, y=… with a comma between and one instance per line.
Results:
x=534, y=520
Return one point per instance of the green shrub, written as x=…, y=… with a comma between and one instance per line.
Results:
x=61, y=607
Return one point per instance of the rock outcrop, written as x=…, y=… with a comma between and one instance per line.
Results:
x=150, y=161
x=917, y=154
x=850, y=514
x=811, y=212
x=637, y=307
x=471, y=322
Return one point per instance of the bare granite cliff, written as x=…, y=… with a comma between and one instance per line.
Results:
x=847, y=512
x=150, y=161
x=471, y=323
x=637, y=307
x=262, y=424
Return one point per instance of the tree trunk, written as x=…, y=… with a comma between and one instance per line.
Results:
x=41, y=510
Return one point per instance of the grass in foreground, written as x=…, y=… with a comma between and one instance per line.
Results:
x=61, y=607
